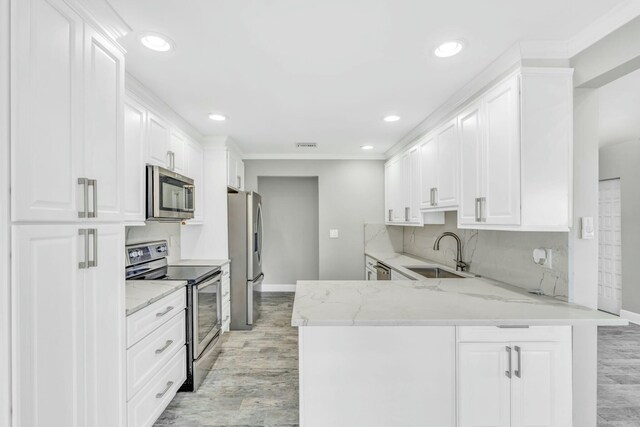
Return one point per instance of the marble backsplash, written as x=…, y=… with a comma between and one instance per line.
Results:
x=505, y=256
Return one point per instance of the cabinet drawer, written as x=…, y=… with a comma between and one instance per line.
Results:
x=146, y=406
x=370, y=262
x=143, y=322
x=226, y=291
x=146, y=357
x=226, y=270
x=496, y=334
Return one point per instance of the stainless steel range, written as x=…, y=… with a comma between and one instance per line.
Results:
x=148, y=261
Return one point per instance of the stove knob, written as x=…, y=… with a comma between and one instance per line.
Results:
x=132, y=254
x=162, y=249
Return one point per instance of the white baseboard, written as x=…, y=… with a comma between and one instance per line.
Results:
x=630, y=316
x=269, y=287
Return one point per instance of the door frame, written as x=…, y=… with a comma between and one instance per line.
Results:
x=5, y=225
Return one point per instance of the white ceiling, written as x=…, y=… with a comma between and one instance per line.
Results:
x=327, y=71
x=620, y=110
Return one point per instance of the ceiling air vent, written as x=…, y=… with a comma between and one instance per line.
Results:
x=305, y=145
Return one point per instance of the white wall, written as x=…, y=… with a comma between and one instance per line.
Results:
x=5, y=295
x=350, y=193
x=621, y=161
x=290, y=217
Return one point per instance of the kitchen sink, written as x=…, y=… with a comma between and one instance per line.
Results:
x=434, y=273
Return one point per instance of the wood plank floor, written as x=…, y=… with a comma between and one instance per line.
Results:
x=254, y=382
x=619, y=376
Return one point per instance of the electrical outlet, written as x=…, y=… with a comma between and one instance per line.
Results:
x=334, y=233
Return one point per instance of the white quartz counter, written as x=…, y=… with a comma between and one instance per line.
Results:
x=141, y=293
x=206, y=262
x=433, y=302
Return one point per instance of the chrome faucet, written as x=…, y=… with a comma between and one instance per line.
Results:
x=460, y=265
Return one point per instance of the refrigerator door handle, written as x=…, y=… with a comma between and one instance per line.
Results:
x=250, y=286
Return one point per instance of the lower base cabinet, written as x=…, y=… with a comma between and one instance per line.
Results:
x=226, y=297
x=509, y=379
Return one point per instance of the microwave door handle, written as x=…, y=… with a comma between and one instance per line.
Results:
x=189, y=189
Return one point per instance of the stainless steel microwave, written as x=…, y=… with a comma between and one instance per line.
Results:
x=170, y=196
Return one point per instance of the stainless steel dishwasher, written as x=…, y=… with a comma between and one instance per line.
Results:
x=384, y=271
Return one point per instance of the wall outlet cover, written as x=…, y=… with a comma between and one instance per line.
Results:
x=334, y=233
x=587, y=229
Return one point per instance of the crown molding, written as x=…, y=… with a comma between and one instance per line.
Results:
x=312, y=156
x=103, y=17
x=603, y=26
x=149, y=99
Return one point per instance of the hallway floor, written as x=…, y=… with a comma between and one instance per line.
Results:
x=619, y=376
x=254, y=382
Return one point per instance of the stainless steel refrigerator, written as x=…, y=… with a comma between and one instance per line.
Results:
x=245, y=251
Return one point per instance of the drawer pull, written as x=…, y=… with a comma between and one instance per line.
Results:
x=166, y=346
x=159, y=395
x=162, y=313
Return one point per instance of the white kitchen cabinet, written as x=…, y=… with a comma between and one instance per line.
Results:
x=69, y=350
x=398, y=276
x=506, y=136
x=177, y=148
x=103, y=129
x=235, y=171
x=402, y=184
x=195, y=171
x=135, y=127
x=439, y=169
x=503, y=381
x=226, y=297
x=159, y=137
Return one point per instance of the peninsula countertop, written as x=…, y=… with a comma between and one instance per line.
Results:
x=434, y=302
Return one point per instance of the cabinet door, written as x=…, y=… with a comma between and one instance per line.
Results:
x=177, y=147
x=393, y=182
x=413, y=186
x=158, y=141
x=135, y=117
x=103, y=126
x=483, y=387
x=232, y=171
x=48, y=324
x=470, y=134
x=195, y=168
x=46, y=141
x=447, y=165
x=541, y=384
x=104, y=323
x=428, y=165
x=502, y=155
x=240, y=173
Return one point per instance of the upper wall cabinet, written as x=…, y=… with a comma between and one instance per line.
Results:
x=135, y=138
x=235, y=171
x=439, y=169
x=159, y=136
x=516, y=154
x=67, y=134
x=177, y=147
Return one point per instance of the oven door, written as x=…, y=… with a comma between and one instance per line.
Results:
x=169, y=195
x=207, y=307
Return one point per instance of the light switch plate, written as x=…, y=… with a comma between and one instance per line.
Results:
x=587, y=229
x=334, y=233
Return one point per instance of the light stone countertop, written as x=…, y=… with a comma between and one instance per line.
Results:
x=207, y=262
x=142, y=293
x=468, y=301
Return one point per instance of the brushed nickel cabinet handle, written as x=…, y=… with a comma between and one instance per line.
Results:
x=85, y=193
x=84, y=264
x=94, y=184
x=162, y=313
x=164, y=347
x=163, y=392
x=508, y=372
x=518, y=370
x=93, y=232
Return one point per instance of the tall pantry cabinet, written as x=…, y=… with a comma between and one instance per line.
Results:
x=67, y=212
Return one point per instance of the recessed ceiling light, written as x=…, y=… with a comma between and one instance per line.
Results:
x=367, y=147
x=156, y=42
x=217, y=117
x=448, y=49
x=391, y=118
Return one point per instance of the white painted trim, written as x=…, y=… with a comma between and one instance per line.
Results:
x=312, y=156
x=603, y=26
x=630, y=316
x=142, y=94
x=103, y=18
x=5, y=217
x=277, y=287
